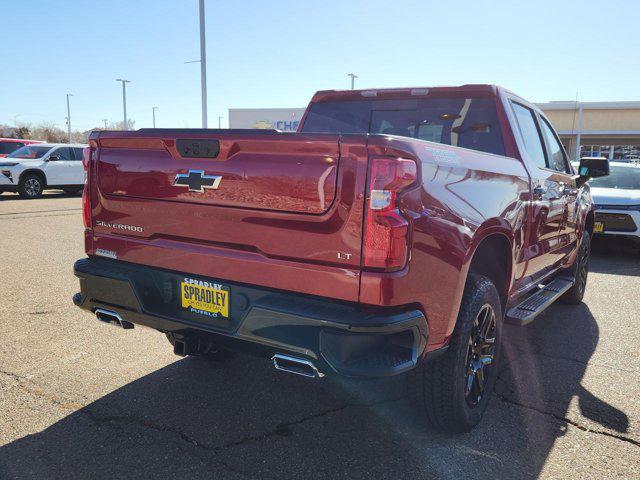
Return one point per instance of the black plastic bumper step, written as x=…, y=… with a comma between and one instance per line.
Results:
x=535, y=304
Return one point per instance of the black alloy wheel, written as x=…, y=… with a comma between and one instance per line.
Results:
x=480, y=355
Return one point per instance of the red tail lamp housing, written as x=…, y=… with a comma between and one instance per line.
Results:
x=386, y=230
x=87, y=154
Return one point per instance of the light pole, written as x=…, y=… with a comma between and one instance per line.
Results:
x=220, y=122
x=353, y=77
x=154, y=116
x=124, y=100
x=203, y=66
x=105, y=123
x=69, y=116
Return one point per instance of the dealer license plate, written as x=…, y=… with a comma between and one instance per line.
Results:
x=598, y=227
x=206, y=298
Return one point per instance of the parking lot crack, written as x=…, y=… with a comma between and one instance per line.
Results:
x=283, y=429
x=182, y=436
x=15, y=376
x=560, y=418
x=144, y=423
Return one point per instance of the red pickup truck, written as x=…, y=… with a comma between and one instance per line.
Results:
x=393, y=233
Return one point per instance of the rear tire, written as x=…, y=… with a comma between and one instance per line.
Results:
x=454, y=388
x=31, y=186
x=579, y=271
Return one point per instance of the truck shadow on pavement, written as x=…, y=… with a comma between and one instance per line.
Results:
x=242, y=419
x=618, y=256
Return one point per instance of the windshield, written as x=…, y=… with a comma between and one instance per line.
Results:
x=463, y=122
x=625, y=178
x=9, y=147
x=29, y=151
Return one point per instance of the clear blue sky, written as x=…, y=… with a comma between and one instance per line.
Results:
x=277, y=53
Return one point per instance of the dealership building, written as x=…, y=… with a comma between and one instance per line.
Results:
x=609, y=129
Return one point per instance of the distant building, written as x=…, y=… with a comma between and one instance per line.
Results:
x=610, y=129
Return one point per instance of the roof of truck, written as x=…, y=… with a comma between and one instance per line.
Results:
x=477, y=89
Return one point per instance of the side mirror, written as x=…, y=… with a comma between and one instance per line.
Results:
x=592, y=167
x=53, y=158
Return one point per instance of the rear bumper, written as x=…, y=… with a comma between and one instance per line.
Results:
x=338, y=337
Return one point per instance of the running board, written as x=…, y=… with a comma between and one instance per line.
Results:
x=538, y=302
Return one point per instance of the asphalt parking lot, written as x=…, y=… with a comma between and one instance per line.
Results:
x=79, y=399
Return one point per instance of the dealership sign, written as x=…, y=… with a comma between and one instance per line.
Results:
x=285, y=119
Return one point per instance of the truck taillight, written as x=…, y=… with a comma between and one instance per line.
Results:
x=86, y=207
x=87, y=152
x=386, y=230
x=86, y=157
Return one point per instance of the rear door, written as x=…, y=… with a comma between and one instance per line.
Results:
x=548, y=205
x=76, y=170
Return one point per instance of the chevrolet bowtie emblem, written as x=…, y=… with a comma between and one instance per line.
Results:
x=197, y=181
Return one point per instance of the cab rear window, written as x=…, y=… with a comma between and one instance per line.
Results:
x=463, y=122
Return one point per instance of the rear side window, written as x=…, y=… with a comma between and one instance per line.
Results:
x=531, y=136
x=557, y=160
x=9, y=147
x=78, y=153
x=64, y=153
x=463, y=122
x=338, y=117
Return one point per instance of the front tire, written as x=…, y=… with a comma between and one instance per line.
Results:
x=580, y=271
x=454, y=389
x=31, y=186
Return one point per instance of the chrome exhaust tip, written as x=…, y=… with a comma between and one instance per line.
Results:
x=297, y=366
x=112, y=318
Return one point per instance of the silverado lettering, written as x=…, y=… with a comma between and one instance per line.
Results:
x=119, y=226
x=452, y=210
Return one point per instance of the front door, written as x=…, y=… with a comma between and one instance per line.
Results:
x=568, y=191
x=59, y=170
x=547, y=202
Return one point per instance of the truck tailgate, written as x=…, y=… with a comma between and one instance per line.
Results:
x=272, y=209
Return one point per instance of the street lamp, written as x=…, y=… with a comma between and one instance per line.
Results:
x=124, y=100
x=353, y=77
x=154, y=116
x=69, y=116
x=203, y=66
x=220, y=122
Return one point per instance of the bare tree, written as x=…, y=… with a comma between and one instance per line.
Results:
x=49, y=132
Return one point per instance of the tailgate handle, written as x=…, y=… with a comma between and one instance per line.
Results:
x=198, y=148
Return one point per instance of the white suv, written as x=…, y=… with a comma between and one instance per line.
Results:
x=32, y=168
x=617, y=200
